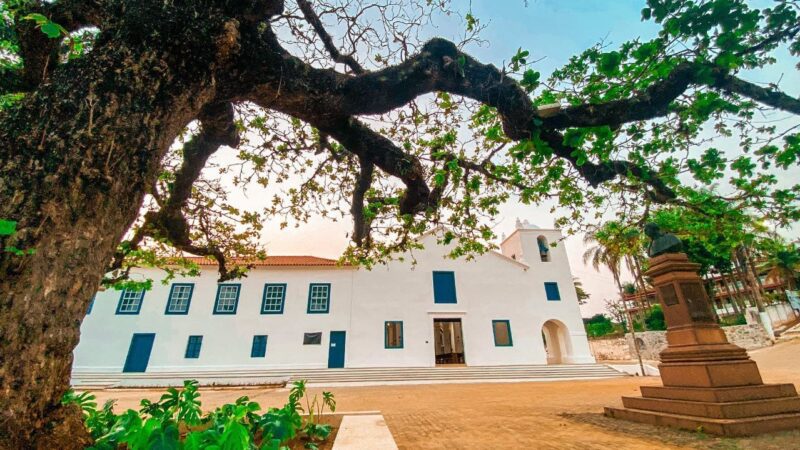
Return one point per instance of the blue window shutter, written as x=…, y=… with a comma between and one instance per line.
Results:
x=193, y=346
x=259, y=348
x=444, y=287
x=551, y=289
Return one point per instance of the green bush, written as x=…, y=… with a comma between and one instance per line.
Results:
x=599, y=329
x=176, y=421
x=598, y=325
x=654, y=320
x=737, y=319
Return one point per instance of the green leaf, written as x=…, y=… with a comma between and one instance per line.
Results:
x=51, y=29
x=7, y=227
x=38, y=18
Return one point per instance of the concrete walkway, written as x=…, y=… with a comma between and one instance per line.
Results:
x=364, y=432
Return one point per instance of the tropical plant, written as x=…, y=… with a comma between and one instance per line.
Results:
x=782, y=263
x=176, y=421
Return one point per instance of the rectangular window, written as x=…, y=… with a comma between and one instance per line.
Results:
x=312, y=338
x=393, y=334
x=444, y=287
x=227, y=299
x=180, y=295
x=130, y=301
x=274, y=296
x=319, y=298
x=259, y=348
x=551, y=289
x=502, y=333
x=193, y=346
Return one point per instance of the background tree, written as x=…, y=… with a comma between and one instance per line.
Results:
x=781, y=262
x=112, y=112
x=583, y=296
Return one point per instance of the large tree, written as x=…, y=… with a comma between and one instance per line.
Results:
x=112, y=111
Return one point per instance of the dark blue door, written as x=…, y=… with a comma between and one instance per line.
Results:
x=336, y=350
x=139, y=352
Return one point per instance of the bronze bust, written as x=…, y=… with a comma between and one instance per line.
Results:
x=661, y=242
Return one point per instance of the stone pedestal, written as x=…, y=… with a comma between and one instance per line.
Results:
x=709, y=383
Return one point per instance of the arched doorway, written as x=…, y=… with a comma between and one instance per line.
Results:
x=556, y=341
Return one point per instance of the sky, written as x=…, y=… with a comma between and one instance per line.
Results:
x=552, y=30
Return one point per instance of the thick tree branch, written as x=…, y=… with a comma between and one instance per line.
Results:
x=77, y=14
x=597, y=173
x=313, y=19
x=769, y=97
x=375, y=148
x=217, y=129
x=39, y=53
x=361, y=225
x=439, y=66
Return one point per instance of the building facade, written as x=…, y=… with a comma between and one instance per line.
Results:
x=513, y=307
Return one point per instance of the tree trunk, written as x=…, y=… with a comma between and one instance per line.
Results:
x=731, y=298
x=740, y=298
x=755, y=281
x=76, y=159
x=742, y=274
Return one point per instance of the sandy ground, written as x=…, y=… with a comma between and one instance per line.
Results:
x=543, y=415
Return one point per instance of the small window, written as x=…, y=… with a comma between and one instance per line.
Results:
x=312, y=338
x=274, y=296
x=502, y=333
x=544, y=248
x=444, y=287
x=551, y=289
x=130, y=301
x=227, y=299
x=193, y=346
x=180, y=295
x=393, y=334
x=259, y=348
x=319, y=296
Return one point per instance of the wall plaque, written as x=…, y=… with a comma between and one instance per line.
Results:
x=696, y=302
x=668, y=294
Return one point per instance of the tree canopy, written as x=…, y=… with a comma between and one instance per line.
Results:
x=443, y=139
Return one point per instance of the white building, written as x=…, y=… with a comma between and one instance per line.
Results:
x=517, y=307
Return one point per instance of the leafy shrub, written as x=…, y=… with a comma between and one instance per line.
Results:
x=654, y=320
x=598, y=325
x=176, y=421
x=736, y=319
x=599, y=329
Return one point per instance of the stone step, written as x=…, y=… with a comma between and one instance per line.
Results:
x=723, y=427
x=726, y=410
x=322, y=376
x=726, y=394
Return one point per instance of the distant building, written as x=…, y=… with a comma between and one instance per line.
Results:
x=299, y=312
x=725, y=291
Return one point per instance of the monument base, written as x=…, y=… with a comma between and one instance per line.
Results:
x=723, y=427
x=726, y=411
x=709, y=383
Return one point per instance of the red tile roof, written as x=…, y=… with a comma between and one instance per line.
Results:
x=282, y=260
